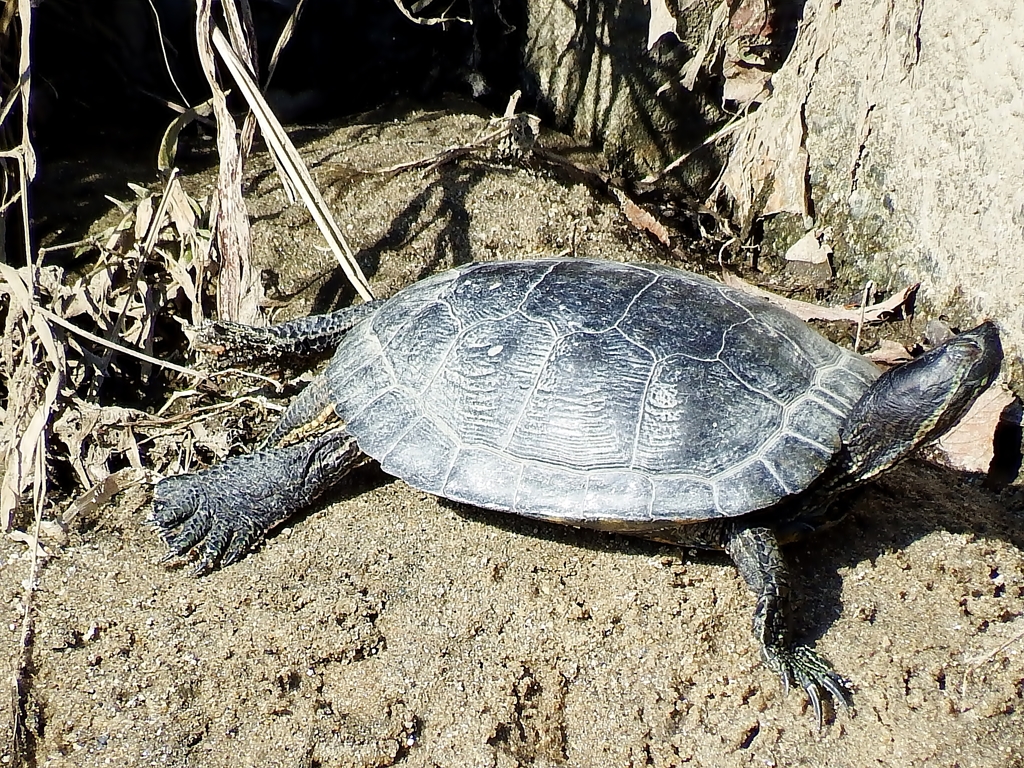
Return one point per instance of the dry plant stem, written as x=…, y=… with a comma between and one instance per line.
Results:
x=155, y=224
x=228, y=214
x=243, y=40
x=213, y=409
x=14, y=198
x=240, y=29
x=26, y=163
x=22, y=446
x=249, y=124
x=428, y=21
x=114, y=345
x=25, y=78
x=282, y=146
x=495, y=128
x=68, y=246
x=29, y=435
x=8, y=103
x=721, y=251
x=57, y=319
x=103, y=491
x=22, y=673
x=733, y=125
x=863, y=308
x=171, y=426
x=977, y=662
x=246, y=374
x=163, y=51
x=282, y=41
x=807, y=311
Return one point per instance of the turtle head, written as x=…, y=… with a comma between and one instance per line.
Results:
x=917, y=402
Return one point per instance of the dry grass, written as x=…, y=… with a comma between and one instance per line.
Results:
x=68, y=336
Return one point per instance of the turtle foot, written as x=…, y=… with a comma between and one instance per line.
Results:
x=221, y=513
x=236, y=343
x=802, y=665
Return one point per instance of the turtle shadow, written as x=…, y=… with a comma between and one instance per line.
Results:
x=913, y=501
x=890, y=514
x=906, y=505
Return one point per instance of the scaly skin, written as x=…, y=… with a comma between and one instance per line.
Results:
x=302, y=337
x=757, y=556
x=224, y=511
x=305, y=409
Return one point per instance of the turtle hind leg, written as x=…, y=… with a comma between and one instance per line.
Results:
x=757, y=555
x=224, y=511
x=302, y=337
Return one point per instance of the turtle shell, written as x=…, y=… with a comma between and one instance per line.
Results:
x=594, y=393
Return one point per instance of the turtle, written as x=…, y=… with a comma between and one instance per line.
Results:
x=634, y=398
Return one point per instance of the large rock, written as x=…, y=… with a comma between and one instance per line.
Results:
x=900, y=126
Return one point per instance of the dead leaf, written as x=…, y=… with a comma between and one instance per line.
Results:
x=48, y=529
x=773, y=163
x=662, y=23
x=640, y=218
x=100, y=493
x=790, y=183
x=121, y=238
x=889, y=353
x=807, y=311
x=743, y=66
x=810, y=248
x=30, y=540
x=17, y=455
x=143, y=217
x=768, y=155
x=94, y=434
x=705, y=54
x=169, y=142
x=970, y=445
x=180, y=211
x=744, y=84
x=751, y=19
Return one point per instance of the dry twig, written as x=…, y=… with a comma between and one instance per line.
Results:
x=289, y=158
x=427, y=20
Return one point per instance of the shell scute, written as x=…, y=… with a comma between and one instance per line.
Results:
x=603, y=394
x=581, y=413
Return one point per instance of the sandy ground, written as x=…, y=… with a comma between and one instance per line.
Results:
x=387, y=627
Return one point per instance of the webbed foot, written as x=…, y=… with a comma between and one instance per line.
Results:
x=221, y=513
x=193, y=512
x=755, y=550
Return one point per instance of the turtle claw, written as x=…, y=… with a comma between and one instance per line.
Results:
x=814, y=675
x=221, y=513
x=203, y=566
x=200, y=524
x=192, y=514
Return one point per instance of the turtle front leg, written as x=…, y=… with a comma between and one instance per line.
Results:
x=224, y=511
x=759, y=559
